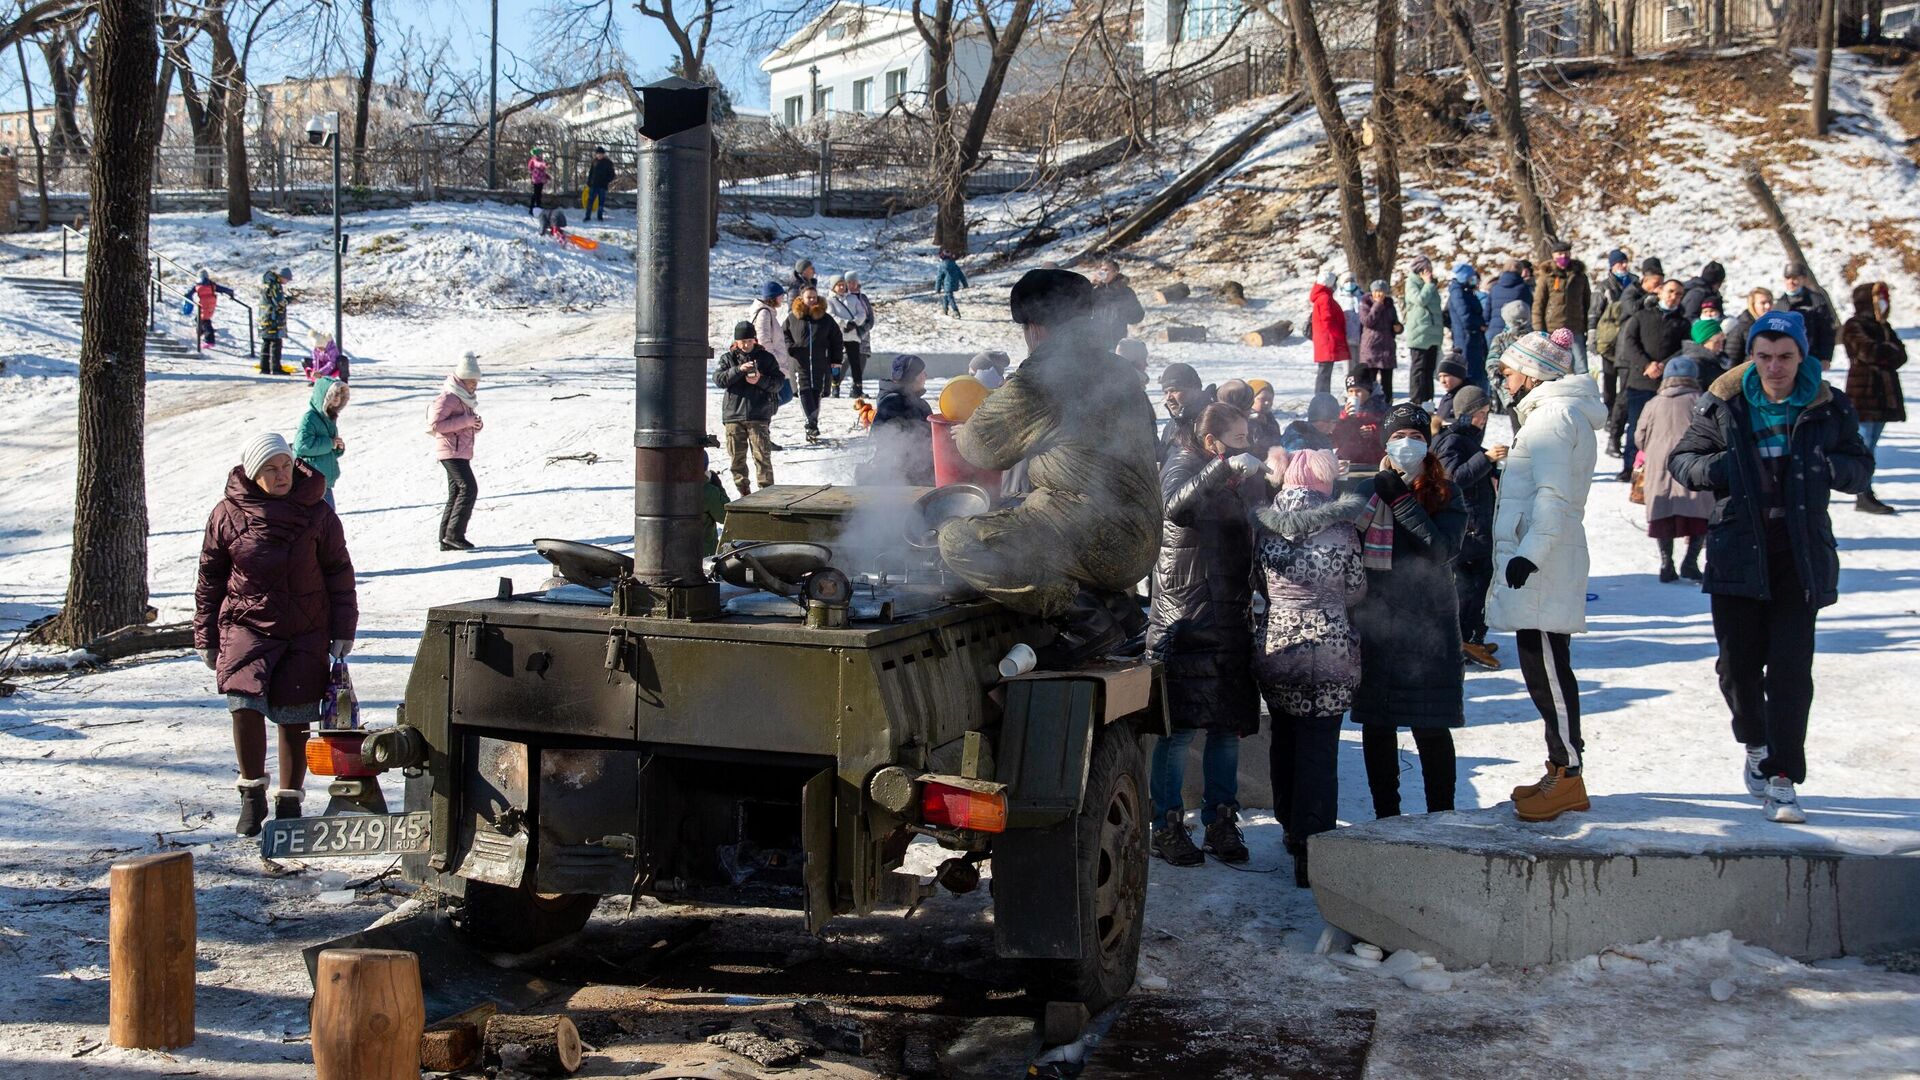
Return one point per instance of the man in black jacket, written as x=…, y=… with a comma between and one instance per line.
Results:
x=1772, y=441
x=1184, y=398
x=1115, y=307
x=1648, y=340
x=599, y=179
x=751, y=377
x=1704, y=290
x=1472, y=468
x=1805, y=297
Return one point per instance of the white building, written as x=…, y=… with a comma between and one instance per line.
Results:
x=863, y=58
x=598, y=110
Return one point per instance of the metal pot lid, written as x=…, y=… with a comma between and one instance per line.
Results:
x=584, y=564
x=941, y=505
x=774, y=565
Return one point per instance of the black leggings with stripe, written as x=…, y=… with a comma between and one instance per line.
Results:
x=1555, y=692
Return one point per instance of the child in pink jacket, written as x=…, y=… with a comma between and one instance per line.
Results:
x=537, y=175
x=453, y=420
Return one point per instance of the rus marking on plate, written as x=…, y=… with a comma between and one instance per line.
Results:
x=345, y=834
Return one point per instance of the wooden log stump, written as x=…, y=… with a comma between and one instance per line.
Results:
x=1232, y=292
x=1184, y=333
x=541, y=1045
x=454, y=1043
x=1174, y=293
x=1271, y=334
x=367, y=1015
x=151, y=936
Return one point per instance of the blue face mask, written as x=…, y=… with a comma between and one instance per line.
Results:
x=1622, y=277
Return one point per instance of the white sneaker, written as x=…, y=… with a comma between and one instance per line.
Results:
x=1756, y=780
x=1782, y=804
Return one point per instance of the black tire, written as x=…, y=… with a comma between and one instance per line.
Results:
x=519, y=920
x=1112, y=839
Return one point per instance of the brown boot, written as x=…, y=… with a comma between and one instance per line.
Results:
x=1558, y=793
x=1479, y=654
x=1528, y=791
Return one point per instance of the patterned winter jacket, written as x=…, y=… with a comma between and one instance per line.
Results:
x=273, y=306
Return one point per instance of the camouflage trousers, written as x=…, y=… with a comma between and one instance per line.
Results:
x=745, y=434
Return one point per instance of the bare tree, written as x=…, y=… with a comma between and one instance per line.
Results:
x=689, y=30
x=1371, y=245
x=221, y=19
x=956, y=150
x=363, y=91
x=107, y=581
x=1623, y=39
x=1823, y=68
x=1507, y=105
x=33, y=132
x=66, y=62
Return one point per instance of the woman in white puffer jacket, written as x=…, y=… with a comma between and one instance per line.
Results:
x=1540, y=550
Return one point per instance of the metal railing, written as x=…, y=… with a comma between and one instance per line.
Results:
x=161, y=289
x=64, y=231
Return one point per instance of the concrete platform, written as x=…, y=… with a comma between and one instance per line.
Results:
x=1480, y=886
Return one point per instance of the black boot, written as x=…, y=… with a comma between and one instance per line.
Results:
x=1224, y=841
x=1667, y=573
x=1867, y=503
x=287, y=802
x=1690, y=567
x=1300, y=879
x=1613, y=445
x=1172, y=844
x=253, y=807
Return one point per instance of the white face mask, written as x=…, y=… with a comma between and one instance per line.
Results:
x=1407, y=454
x=1880, y=305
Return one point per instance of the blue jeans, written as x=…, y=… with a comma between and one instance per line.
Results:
x=948, y=303
x=595, y=197
x=1870, y=433
x=1579, y=354
x=1636, y=403
x=1219, y=765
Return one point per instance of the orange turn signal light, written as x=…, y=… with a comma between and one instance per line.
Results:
x=329, y=755
x=959, y=808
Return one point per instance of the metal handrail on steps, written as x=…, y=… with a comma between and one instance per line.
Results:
x=64, y=230
x=162, y=294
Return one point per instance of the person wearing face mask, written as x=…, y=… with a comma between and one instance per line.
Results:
x=1089, y=527
x=1815, y=309
x=1200, y=628
x=1562, y=301
x=1412, y=523
x=1540, y=552
x=274, y=606
x=1772, y=442
x=817, y=347
x=1183, y=397
x=1646, y=342
x=1329, y=326
x=1875, y=354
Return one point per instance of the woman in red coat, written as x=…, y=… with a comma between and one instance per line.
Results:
x=273, y=606
x=1330, y=345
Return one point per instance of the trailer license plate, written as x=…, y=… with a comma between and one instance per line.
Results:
x=345, y=834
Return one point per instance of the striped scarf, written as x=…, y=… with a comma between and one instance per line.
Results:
x=1375, y=521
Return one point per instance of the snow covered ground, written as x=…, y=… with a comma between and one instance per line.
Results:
x=137, y=759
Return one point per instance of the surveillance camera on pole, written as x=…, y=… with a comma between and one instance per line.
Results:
x=325, y=131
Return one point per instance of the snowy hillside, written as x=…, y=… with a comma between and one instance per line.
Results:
x=138, y=757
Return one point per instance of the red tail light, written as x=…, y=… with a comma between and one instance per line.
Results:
x=959, y=808
x=337, y=755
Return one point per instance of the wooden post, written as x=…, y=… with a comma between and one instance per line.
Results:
x=367, y=1015
x=541, y=1045
x=150, y=946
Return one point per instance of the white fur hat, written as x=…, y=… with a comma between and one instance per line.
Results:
x=468, y=367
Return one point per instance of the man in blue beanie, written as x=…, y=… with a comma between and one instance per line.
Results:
x=1772, y=442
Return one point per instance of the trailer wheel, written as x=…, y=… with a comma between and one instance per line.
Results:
x=519, y=919
x=1112, y=827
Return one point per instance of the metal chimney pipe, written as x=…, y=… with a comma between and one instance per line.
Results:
x=670, y=349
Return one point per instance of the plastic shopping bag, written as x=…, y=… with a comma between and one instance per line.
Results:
x=186, y=306
x=339, y=707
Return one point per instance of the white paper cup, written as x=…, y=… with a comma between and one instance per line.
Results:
x=1018, y=661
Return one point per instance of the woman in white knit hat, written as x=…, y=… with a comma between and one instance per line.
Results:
x=1540, y=551
x=274, y=605
x=453, y=420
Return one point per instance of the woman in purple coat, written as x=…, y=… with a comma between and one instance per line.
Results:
x=273, y=607
x=1379, y=326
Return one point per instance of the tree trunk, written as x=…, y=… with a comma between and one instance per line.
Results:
x=1849, y=14
x=957, y=154
x=541, y=1045
x=33, y=132
x=1623, y=41
x=1822, y=68
x=231, y=77
x=363, y=91
x=1506, y=105
x=1876, y=19
x=1369, y=251
x=107, y=583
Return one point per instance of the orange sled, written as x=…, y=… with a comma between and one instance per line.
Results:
x=581, y=242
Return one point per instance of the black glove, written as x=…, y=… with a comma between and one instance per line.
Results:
x=1389, y=485
x=1518, y=571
